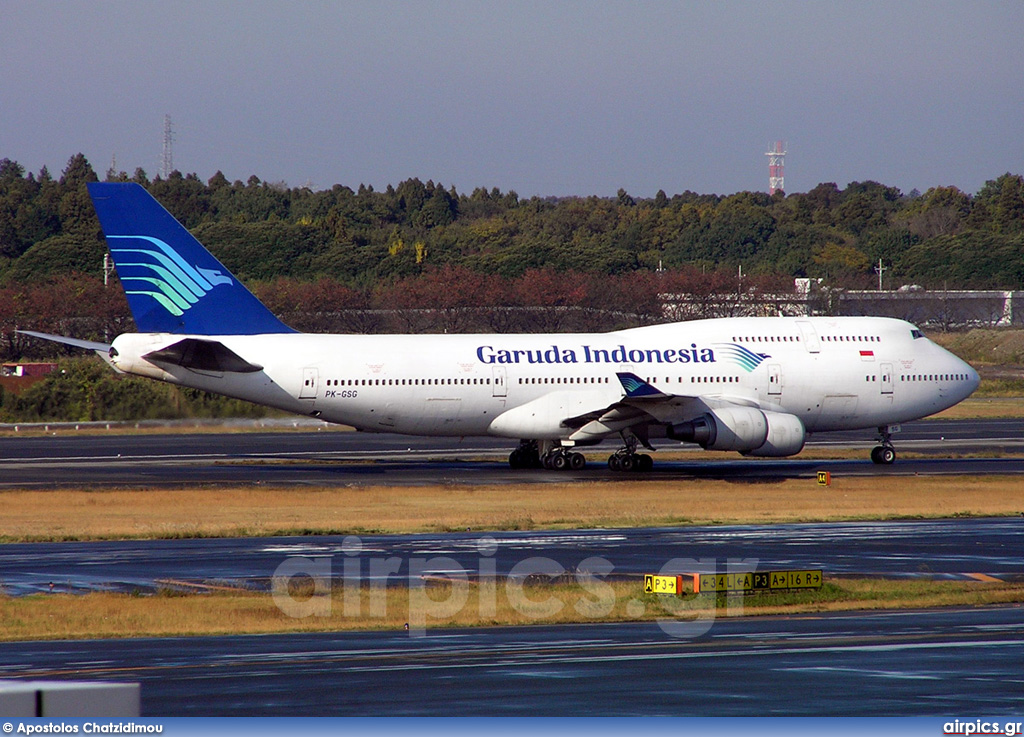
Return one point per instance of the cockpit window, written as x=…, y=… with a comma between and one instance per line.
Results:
x=916, y=333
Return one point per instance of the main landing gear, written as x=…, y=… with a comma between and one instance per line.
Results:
x=884, y=454
x=551, y=455
x=627, y=459
x=530, y=454
x=623, y=460
x=525, y=456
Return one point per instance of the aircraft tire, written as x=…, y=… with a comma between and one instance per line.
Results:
x=613, y=463
x=559, y=462
x=883, y=455
x=627, y=463
x=644, y=462
x=577, y=461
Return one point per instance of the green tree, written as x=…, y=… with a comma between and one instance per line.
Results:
x=186, y=198
x=57, y=255
x=1001, y=204
x=21, y=221
x=77, y=216
x=841, y=261
x=940, y=211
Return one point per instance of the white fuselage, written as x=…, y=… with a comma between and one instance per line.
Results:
x=831, y=373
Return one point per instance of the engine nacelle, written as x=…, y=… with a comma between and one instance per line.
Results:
x=786, y=436
x=728, y=428
x=745, y=429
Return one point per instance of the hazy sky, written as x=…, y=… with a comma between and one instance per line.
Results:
x=546, y=98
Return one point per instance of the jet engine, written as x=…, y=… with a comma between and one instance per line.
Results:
x=745, y=429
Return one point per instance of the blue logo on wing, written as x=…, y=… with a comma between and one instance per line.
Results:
x=162, y=274
x=634, y=386
x=630, y=383
x=742, y=355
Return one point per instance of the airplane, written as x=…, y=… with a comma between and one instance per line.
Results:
x=756, y=385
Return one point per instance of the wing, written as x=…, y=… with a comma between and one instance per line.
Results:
x=588, y=416
x=642, y=403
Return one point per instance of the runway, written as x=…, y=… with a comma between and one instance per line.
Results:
x=956, y=548
x=892, y=663
x=937, y=662
x=333, y=458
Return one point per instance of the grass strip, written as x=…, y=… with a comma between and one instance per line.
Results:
x=442, y=604
x=76, y=514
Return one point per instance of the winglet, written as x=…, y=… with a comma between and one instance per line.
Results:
x=173, y=284
x=635, y=387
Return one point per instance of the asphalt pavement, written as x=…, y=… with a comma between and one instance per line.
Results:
x=335, y=458
x=933, y=662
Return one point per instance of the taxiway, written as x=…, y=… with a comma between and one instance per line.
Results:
x=958, y=548
x=333, y=458
x=932, y=662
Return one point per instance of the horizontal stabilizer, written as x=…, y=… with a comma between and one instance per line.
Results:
x=89, y=345
x=203, y=355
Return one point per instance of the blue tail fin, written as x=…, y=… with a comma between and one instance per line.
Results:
x=173, y=284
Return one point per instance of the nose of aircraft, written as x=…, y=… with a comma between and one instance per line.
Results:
x=971, y=380
x=974, y=379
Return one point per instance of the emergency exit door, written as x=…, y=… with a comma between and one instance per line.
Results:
x=309, y=381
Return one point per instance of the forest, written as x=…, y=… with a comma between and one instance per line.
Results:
x=423, y=257
x=426, y=257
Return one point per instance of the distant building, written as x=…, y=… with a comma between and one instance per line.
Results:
x=27, y=369
x=943, y=309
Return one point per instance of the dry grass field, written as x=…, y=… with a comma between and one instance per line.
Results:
x=985, y=408
x=450, y=604
x=162, y=513
x=256, y=511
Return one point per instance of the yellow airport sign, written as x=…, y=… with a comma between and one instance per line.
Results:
x=755, y=581
x=824, y=478
x=655, y=584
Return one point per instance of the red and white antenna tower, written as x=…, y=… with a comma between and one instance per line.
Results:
x=776, y=166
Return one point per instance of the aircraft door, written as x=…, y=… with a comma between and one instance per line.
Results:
x=887, y=378
x=809, y=336
x=310, y=378
x=499, y=382
x=774, y=379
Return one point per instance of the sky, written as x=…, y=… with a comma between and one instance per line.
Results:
x=545, y=98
